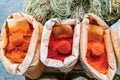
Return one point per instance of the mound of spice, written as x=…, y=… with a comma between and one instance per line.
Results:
x=96, y=52
x=97, y=49
x=60, y=47
x=64, y=47
x=18, y=43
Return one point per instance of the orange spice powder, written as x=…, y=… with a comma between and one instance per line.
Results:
x=18, y=43
x=97, y=57
x=96, y=52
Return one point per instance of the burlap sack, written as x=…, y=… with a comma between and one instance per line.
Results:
x=31, y=65
x=108, y=44
x=115, y=35
x=69, y=61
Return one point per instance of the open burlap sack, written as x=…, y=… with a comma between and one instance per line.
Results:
x=31, y=65
x=115, y=35
x=69, y=61
x=92, y=72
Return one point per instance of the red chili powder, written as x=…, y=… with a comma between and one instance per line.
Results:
x=55, y=49
x=97, y=57
x=18, y=43
x=63, y=47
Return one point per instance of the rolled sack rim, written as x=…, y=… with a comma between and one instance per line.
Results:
x=45, y=42
x=19, y=69
x=83, y=49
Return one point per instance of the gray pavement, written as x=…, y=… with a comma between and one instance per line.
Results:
x=8, y=7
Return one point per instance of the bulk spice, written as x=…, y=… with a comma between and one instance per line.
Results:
x=60, y=46
x=18, y=43
x=96, y=53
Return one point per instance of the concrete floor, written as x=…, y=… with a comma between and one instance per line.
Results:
x=8, y=7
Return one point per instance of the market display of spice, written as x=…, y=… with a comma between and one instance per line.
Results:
x=19, y=39
x=63, y=36
x=96, y=53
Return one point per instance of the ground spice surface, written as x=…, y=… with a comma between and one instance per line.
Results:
x=18, y=43
x=96, y=56
x=60, y=48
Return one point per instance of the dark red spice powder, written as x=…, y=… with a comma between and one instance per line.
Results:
x=52, y=48
x=64, y=47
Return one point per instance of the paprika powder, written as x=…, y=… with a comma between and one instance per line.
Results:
x=18, y=43
x=60, y=48
x=64, y=47
x=96, y=49
x=96, y=53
